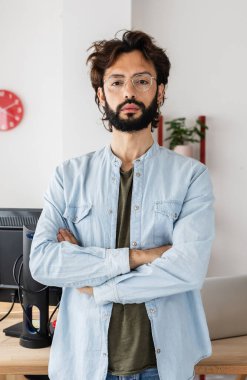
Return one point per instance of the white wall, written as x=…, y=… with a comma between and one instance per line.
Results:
x=43, y=51
x=83, y=23
x=206, y=42
x=31, y=67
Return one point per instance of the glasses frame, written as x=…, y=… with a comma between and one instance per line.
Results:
x=132, y=81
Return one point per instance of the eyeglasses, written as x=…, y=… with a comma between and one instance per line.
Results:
x=141, y=82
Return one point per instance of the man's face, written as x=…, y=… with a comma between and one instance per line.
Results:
x=127, y=108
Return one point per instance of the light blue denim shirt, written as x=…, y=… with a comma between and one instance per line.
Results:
x=172, y=203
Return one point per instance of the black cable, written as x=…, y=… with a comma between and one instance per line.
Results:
x=14, y=266
x=13, y=303
x=54, y=311
x=18, y=282
x=49, y=322
x=21, y=289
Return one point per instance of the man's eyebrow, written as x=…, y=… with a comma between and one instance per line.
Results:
x=122, y=75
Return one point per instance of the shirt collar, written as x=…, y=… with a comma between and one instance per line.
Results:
x=148, y=154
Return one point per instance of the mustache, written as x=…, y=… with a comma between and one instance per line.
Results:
x=130, y=101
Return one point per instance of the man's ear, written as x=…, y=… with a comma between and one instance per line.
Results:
x=101, y=96
x=161, y=94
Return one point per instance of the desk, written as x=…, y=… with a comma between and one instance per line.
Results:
x=229, y=356
x=15, y=359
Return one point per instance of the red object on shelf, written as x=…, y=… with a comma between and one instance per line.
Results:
x=160, y=131
x=203, y=141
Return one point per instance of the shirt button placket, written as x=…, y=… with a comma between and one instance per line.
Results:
x=136, y=195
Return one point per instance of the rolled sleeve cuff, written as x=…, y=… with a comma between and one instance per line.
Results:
x=117, y=261
x=106, y=293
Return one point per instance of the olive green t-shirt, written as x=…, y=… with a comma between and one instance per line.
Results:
x=130, y=342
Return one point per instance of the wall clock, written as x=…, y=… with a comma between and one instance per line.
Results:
x=11, y=110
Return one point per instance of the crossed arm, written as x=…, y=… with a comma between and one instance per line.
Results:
x=108, y=273
x=137, y=257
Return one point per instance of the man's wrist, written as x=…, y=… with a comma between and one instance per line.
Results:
x=139, y=257
x=136, y=258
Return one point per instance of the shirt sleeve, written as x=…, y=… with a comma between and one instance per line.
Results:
x=181, y=268
x=64, y=264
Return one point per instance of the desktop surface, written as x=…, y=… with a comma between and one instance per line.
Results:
x=229, y=355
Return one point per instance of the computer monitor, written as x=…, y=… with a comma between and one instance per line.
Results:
x=11, y=247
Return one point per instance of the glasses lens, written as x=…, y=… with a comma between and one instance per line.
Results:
x=115, y=84
x=142, y=82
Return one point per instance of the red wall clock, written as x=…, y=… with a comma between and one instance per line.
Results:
x=11, y=110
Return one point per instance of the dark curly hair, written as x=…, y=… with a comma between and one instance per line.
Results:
x=105, y=53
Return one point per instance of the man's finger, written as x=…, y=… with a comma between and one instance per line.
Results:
x=68, y=236
x=86, y=289
x=59, y=237
x=65, y=235
x=65, y=232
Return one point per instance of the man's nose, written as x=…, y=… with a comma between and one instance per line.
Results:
x=129, y=90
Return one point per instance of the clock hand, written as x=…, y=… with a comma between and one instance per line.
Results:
x=3, y=110
x=11, y=105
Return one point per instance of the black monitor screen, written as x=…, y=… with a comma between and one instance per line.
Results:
x=10, y=250
x=11, y=247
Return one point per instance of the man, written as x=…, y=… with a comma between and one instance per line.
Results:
x=127, y=232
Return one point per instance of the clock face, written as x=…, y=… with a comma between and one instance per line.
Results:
x=11, y=110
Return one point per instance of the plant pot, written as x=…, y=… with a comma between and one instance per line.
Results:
x=184, y=150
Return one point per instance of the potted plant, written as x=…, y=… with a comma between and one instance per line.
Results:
x=181, y=135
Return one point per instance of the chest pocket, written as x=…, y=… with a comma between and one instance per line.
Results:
x=79, y=221
x=165, y=215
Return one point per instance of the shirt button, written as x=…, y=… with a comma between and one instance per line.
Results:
x=158, y=350
x=110, y=211
x=175, y=214
x=138, y=174
x=105, y=354
x=152, y=311
x=136, y=207
x=134, y=243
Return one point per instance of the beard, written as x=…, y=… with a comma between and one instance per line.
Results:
x=132, y=124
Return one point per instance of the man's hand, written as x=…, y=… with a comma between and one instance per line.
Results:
x=87, y=290
x=138, y=257
x=66, y=235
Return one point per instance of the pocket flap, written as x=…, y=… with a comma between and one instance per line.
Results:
x=76, y=214
x=169, y=208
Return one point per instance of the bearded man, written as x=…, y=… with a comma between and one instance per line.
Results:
x=126, y=231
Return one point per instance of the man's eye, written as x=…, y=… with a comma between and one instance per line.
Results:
x=117, y=83
x=142, y=82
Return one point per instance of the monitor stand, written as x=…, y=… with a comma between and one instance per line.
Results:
x=14, y=330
